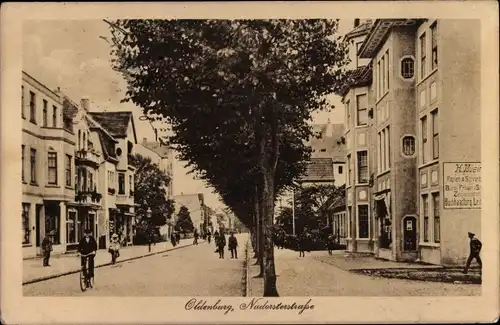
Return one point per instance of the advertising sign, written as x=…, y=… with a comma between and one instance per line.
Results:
x=462, y=185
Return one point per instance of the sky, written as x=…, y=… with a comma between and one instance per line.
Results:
x=73, y=55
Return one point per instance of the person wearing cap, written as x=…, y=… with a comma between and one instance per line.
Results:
x=87, y=246
x=47, y=248
x=114, y=247
x=475, y=248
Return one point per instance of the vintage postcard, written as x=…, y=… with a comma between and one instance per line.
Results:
x=289, y=162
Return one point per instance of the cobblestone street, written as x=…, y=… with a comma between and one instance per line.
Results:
x=189, y=271
x=309, y=276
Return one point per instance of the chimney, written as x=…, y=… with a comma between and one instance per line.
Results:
x=356, y=22
x=85, y=103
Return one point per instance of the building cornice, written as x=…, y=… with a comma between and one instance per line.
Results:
x=379, y=32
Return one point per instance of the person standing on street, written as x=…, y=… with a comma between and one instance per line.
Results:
x=173, y=239
x=178, y=237
x=195, y=235
x=209, y=236
x=46, y=249
x=233, y=245
x=87, y=246
x=221, y=243
x=475, y=248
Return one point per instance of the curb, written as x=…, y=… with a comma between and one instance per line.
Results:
x=53, y=276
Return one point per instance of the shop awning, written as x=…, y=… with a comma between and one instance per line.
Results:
x=383, y=205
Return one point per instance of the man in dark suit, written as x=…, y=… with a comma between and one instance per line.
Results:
x=88, y=245
x=475, y=248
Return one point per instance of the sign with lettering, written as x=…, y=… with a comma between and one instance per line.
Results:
x=462, y=185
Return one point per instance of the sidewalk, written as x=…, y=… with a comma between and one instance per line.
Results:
x=33, y=270
x=369, y=265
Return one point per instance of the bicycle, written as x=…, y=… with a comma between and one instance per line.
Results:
x=85, y=280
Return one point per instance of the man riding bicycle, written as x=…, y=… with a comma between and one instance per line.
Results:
x=88, y=246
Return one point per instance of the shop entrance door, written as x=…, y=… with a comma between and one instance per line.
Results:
x=410, y=234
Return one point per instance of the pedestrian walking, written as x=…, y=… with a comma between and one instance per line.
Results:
x=195, y=235
x=46, y=248
x=233, y=245
x=209, y=236
x=475, y=249
x=330, y=244
x=173, y=239
x=178, y=237
x=221, y=243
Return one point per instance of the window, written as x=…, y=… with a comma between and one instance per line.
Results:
x=45, y=104
x=26, y=229
x=384, y=160
x=340, y=169
x=121, y=183
x=383, y=75
x=130, y=184
x=407, y=68
x=84, y=141
x=379, y=81
x=349, y=169
x=348, y=111
x=349, y=219
x=111, y=179
x=408, y=145
x=32, y=107
x=362, y=110
x=434, y=46
x=54, y=116
x=68, y=170
x=91, y=182
x=437, y=221
x=363, y=222
x=423, y=51
x=22, y=101
x=424, y=146
x=425, y=213
x=358, y=46
x=363, y=166
x=52, y=165
x=435, y=134
x=22, y=163
x=79, y=139
x=386, y=72
x=52, y=218
x=33, y=165
x=71, y=227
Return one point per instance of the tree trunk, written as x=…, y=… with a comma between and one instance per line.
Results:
x=270, y=289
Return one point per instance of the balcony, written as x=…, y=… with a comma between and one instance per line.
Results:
x=87, y=197
x=87, y=158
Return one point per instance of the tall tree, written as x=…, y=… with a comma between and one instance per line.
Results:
x=238, y=95
x=184, y=223
x=150, y=191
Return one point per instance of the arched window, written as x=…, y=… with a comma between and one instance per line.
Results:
x=408, y=145
x=407, y=68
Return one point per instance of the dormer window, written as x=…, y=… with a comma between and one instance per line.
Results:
x=323, y=150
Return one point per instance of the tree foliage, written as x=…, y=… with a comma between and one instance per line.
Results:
x=184, y=223
x=238, y=95
x=150, y=191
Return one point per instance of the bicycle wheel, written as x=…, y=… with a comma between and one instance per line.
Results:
x=83, y=281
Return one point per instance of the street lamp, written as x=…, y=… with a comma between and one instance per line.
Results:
x=149, y=213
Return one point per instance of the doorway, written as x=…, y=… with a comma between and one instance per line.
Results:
x=410, y=233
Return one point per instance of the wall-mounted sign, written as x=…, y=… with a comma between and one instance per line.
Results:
x=462, y=185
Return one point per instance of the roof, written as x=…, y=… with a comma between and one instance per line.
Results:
x=360, y=77
x=329, y=145
x=116, y=123
x=108, y=144
x=379, y=32
x=70, y=108
x=319, y=170
x=359, y=30
x=160, y=148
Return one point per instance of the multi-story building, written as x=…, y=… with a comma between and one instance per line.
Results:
x=48, y=153
x=412, y=138
x=119, y=144
x=165, y=160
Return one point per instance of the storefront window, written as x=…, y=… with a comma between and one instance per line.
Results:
x=71, y=227
x=52, y=222
x=363, y=222
x=25, y=230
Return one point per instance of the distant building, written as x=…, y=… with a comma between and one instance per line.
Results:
x=412, y=118
x=165, y=160
x=196, y=206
